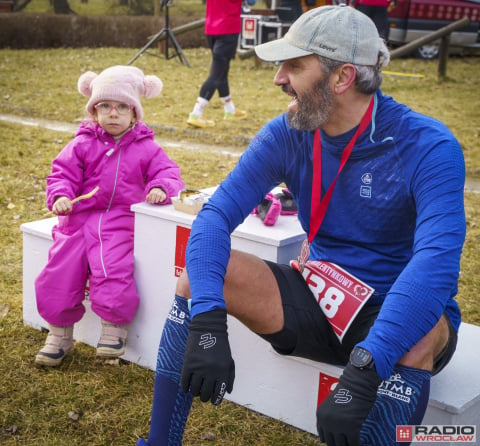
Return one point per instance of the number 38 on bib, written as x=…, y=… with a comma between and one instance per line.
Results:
x=339, y=294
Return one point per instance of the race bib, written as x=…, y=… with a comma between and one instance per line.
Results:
x=340, y=295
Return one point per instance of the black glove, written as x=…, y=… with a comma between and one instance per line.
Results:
x=208, y=367
x=341, y=415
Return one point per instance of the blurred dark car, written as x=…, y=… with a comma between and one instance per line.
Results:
x=412, y=19
x=409, y=20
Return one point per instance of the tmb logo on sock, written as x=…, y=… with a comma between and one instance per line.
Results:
x=436, y=433
x=396, y=388
x=176, y=315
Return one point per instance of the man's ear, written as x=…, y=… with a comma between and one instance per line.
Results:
x=343, y=77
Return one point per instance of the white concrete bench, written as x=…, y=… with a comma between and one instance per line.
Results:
x=284, y=388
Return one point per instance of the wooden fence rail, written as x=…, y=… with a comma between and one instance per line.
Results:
x=442, y=33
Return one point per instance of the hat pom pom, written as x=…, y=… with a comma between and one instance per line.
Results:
x=84, y=83
x=153, y=86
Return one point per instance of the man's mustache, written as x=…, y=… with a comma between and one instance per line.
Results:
x=289, y=90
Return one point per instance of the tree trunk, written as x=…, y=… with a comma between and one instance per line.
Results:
x=18, y=6
x=62, y=7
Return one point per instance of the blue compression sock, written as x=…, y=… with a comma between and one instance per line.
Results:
x=171, y=405
x=401, y=400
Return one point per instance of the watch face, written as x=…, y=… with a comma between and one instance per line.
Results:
x=360, y=357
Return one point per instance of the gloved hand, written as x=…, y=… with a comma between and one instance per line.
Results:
x=341, y=415
x=208, y=367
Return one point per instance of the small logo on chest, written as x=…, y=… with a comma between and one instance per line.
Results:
x=365, y=187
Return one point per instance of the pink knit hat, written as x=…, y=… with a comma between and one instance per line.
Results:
x=119, y=83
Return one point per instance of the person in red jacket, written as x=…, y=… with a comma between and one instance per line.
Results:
x=222, y=28
x=377, y=10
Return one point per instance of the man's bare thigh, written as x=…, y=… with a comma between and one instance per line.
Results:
x=250, y=291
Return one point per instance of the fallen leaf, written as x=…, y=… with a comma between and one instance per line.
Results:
x=74, y=416
x=4, y=309
x=12, y=429
x=209, y=436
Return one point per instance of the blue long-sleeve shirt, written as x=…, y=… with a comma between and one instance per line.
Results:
x=395, y=220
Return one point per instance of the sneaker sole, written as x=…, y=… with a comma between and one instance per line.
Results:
x=105, y=351
x=235, y=117
x=200, y=126
x=45, y=360
x=109, y=353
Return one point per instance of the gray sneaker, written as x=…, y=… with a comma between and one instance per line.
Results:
x=112, y=340
x=58, y=344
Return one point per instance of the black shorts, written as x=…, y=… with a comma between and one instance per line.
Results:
x=308, y=334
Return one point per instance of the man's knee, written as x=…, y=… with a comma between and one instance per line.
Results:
x=182, y=288
x=234, y=276
x=423, y=354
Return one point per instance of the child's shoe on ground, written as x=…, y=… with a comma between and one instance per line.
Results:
x=199, y=121
x=238, y=115
x=112, y=340
x=58, y=344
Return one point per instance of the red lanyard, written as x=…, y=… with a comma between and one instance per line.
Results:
x=319, y=205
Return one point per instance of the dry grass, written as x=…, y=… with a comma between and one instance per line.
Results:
x=113, y=403
x=51, y=92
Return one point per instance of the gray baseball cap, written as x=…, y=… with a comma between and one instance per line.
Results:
x=340, y=33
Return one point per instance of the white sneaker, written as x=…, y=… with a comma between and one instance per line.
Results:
x=112, y=340
x=58, y=344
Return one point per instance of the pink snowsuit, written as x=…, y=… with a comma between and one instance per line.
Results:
x=98, y=234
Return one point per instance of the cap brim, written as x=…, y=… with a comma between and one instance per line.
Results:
x=279, y=50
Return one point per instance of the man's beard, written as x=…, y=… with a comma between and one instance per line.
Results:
x=314, y=108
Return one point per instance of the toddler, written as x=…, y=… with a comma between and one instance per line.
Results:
x=114, y=155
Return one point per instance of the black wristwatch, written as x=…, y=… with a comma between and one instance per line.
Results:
x=361, y=358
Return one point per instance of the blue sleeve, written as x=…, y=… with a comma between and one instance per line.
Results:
x=208, y=250
x=421, y=293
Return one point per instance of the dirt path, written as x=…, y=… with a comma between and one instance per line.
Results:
x=471, y=185
x=66, y=127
